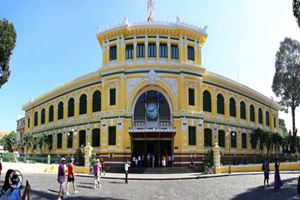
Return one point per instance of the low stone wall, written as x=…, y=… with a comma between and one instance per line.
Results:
x=293, y=166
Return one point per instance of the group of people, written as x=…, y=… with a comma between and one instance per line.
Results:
x=150, y=160
x=266, y=170
x=64, y=183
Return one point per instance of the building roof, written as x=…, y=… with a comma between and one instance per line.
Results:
x=3, y=133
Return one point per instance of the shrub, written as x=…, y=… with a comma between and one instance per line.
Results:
x=9, y=157
x=93, y=159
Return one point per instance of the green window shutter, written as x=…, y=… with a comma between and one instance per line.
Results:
x=221, y=138
x=232, y=107
x=82, y=138
x=83, y=104
x=71, y=107
x=207, y=137
x=96, y=101
x=112, y=135
x=206, y=101
x=192, y=135
x=191, y=97
x=112, y=96
x=220, y=104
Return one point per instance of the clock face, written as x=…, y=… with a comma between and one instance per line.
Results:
x=152, y=111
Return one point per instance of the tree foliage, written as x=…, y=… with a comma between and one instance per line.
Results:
x=7, y=44
x=296, y=10
x=27, y=142
x=266, y=140
x=286, y=80
x=9, y=141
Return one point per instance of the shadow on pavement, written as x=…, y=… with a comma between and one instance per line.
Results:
x=288, y=191
x=84, y=186
x=114, y=182
x=41, y=195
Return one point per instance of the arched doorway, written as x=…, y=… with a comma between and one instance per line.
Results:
x=152, y=131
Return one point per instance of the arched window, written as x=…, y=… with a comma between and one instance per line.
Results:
x=252, y=113
x=82, y=138
x=260, y=116
x=60, y=113
x=51, y=113
x=206, y=101
x=232, y=107
x=71, y=107
x=221, y=138
x=96, y=137
x=36, y=118
x=244, y=140
x=59, y=140
x=207, y=137
x=82, y=104
x=49, y=141
x=43, y=116
x=233, y=139
x=70, y=140
x=267, y=118
x=97, y=101
x=220, y=104
x=242, y=110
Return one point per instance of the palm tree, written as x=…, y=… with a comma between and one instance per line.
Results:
x=27, y=142
x=41, y=142
x=277, y=141
x=254, y=139
x=9, y=142
x=268, y=141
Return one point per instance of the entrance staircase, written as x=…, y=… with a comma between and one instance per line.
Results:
x=157, y=170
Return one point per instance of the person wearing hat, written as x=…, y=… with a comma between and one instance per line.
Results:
x=61, y=178
x=71, y=177
x=97, y=173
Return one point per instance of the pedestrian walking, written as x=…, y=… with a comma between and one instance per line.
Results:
x=102, y=166
x=139, y=161
x=71, y=177
x=277, y=182
x=153, y=160
x=164, y=162
x=0, y=166
x=97, y=174
x=266, y=170
x=126, y=168
x=61, y=178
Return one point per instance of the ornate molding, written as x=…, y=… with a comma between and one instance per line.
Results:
x=152, y=77
x=131, y=83
x=172, y=83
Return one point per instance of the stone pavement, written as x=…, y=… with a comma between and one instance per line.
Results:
x=178, y=176
x=234, y=187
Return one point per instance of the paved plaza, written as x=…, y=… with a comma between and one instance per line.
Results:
x=45, y=186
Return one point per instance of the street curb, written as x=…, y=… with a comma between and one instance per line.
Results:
x=204, y=176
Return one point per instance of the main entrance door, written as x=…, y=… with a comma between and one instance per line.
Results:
x=157, y=148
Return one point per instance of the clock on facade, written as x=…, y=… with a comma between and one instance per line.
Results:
x=152, y=111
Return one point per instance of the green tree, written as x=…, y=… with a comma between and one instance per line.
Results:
x=27, y=142
x=296, y=10
x=9, y=141
x=254, y=139
x=282, y=127
x=286, y=81
x=7, y=44
x=276, y=142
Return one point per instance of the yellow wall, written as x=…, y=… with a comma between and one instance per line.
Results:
x=118, y=73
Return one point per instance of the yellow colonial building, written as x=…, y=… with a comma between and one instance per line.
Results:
x=151, y=95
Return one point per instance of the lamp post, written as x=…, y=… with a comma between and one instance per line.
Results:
x=229, y=138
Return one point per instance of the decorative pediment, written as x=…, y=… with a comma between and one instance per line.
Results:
x=131, y=83
x=152, y=77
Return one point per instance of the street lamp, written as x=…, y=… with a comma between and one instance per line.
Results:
x=229, y=138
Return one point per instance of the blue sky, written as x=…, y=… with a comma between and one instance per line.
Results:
x=56, y=41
